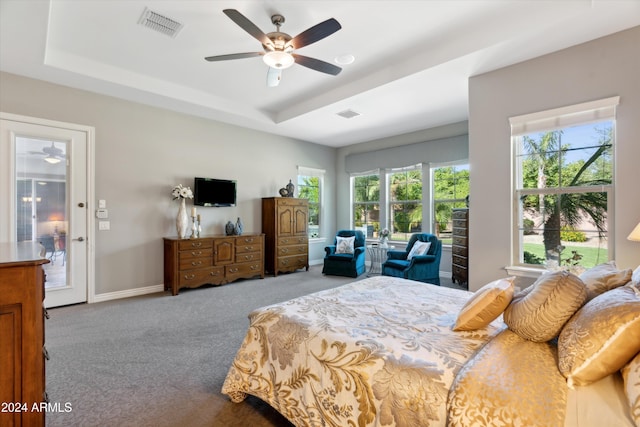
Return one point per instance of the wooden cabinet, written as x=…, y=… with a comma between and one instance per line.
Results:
x=285, y=226
x=22, y=350
x=460, y=247
x=216, y=260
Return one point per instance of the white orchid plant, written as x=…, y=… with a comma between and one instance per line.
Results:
x=181, y=192
x=384, y=233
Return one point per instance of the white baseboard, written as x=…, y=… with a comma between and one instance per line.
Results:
x=128, y=293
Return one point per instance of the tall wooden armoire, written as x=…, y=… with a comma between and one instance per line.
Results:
x=285, y=226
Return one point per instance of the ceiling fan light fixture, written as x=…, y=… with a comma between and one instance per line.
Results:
x=278, y=59
x=52, y=160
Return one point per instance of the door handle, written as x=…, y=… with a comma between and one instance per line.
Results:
x=79, y=239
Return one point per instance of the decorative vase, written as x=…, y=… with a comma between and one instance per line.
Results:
x=182, y=220
x=290, y=188
x=229, y=229
x=384, y=242
x=239, y=227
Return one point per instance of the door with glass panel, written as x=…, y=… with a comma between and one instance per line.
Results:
x=47, y=177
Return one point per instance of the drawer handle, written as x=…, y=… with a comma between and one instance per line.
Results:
x=196, y=253
x=248, y=257
x=196, y=244
x=45, y=352
x=189, y=276
x=195, y=263
x=248, y=248
x=233, y=270
x=285, y=262
x=285, y=240
x=254, y=267
x=248, y=240
x=285, y=250
x=214, y=273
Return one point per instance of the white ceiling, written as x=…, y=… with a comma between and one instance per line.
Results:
x=412, y=58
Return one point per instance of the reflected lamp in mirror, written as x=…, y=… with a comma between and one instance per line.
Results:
x=635, y=234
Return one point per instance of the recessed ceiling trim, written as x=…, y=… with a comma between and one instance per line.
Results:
x=160, y=23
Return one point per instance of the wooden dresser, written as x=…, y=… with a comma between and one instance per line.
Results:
x=285, y=226
x=22, y=350
x=460, y=247
x=216, y=260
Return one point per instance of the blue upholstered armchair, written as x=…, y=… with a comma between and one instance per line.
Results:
x=423, y=268
x=337, y=262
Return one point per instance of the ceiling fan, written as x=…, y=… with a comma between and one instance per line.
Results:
x=53, y=154
x=279, y=47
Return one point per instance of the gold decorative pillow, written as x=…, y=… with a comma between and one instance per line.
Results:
x=631, y=377
x=603, y=278
x=485, y=305
x=539, y=312
x=601, y=338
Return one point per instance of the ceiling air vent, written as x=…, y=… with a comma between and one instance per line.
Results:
x=348, y=114
x=159, y=23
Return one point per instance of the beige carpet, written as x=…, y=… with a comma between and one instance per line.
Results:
x=159, y=360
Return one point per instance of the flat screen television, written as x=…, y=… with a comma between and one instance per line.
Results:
x=214, y=192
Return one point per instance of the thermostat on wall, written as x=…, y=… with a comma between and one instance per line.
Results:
x=102, y=214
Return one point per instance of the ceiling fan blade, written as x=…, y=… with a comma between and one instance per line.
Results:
x=233, y=56
x=274, y=75
x=316, y=64
x=315, y=33
x=251, y=28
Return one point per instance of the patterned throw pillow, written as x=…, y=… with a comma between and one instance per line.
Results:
x=344, y=245
x=603, y=278
x=631, y=377
x=602, y=337
x=418, y=248
x=539, y=312
x=485, y=305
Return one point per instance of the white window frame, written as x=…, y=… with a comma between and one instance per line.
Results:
x=432, y=183
x=352, y=178
x=304, y=171
x=549, y=120
x=389, y=202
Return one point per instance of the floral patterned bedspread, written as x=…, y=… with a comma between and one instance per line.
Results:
x=378, y=352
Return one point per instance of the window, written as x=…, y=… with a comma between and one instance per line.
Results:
x=450, y=190
x=564, y=185
x=366, y=204
x=310, y=187
x=405, y=202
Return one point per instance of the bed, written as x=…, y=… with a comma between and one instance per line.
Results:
x=382, y=352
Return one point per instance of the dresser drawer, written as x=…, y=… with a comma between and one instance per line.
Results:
x=459, y=223
x=299, y=240
x=460, y=273
x=249, y=240
x=460, y=240
x=204, y=275
x=195, y=253
x=459, y=250
x=460, y=261
x=248, y=257
x=460, y=214
x=292, y=262
x=195, y=244
x=293, y=250
x=243, y=270
x=191, y=263
x=242, y=248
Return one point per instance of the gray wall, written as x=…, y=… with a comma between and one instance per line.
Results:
x=142, y=152
x=599, y=69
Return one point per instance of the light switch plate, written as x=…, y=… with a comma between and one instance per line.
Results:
x=102, y=204
x=104, y=225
